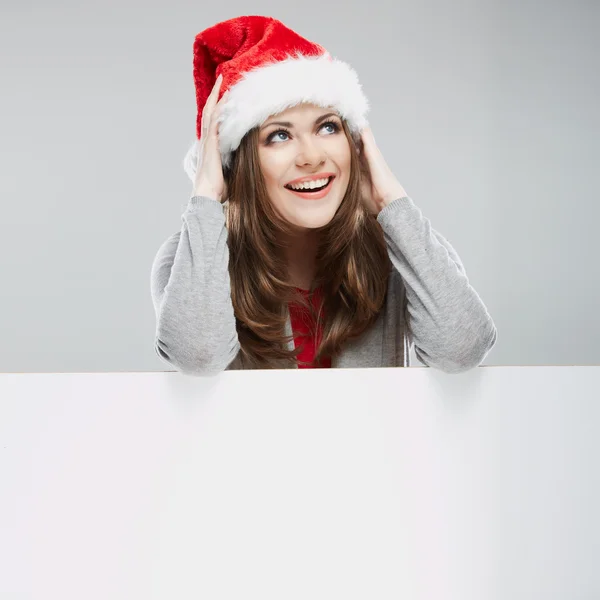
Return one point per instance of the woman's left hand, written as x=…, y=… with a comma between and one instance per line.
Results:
x=379, y=184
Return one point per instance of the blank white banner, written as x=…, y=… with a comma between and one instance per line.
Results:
x=301, y=484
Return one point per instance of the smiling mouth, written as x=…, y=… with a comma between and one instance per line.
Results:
x=309, y=190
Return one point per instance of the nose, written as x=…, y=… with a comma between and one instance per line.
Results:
x=310, y=153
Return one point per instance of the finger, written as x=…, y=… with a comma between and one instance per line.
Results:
x=368, y=137
x=214, y=117
x=211, y=134
x=210, y=115
x=220, y=107
x=214, y=94
x=224, y=97
x=365, y=137
x=212, y=99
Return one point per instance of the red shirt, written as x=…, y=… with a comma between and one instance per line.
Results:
x=300, y=318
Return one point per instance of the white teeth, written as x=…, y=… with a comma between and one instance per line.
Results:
x=309, y=185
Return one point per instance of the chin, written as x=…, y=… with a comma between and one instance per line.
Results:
x=313, y=224
x=312, y=219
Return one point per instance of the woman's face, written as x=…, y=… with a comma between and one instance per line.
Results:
x=311, y=145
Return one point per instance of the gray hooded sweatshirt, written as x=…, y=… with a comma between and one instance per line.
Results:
x=430, y=304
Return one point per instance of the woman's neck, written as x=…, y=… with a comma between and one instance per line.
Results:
x=301, y=253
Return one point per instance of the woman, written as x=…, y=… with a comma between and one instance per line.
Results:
x=268, y=274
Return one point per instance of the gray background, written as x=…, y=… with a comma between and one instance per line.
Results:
x=484, y=110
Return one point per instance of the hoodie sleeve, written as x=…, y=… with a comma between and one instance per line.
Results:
x=449, y=324
x=195, y=323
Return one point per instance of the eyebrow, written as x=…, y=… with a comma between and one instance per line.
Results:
x=288, y=124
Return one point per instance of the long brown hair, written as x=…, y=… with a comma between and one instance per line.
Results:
x=352, y=264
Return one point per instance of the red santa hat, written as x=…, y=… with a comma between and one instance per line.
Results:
x=268, y=68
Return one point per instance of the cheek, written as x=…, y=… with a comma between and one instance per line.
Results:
x=342, y=156
x=273, y=168
x=344, y=164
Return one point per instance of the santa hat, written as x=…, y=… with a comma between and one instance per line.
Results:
x=268, y=68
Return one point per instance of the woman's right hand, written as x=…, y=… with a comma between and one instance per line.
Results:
x=209, y=170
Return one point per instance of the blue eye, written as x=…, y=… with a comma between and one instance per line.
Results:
x=270, y=138
x=335, y=126
x=279, y=131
